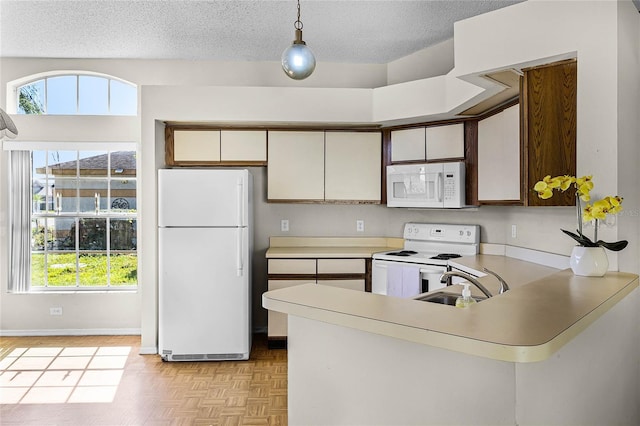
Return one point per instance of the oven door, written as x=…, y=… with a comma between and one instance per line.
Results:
x=429, y=276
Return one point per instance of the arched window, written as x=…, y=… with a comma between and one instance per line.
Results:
x=71, y=94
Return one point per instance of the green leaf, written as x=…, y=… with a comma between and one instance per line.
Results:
x=580, y=238
x=617, y=246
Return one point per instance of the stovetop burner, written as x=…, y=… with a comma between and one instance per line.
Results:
x=446, y=256
x=403, y=253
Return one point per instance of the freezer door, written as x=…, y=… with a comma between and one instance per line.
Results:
x=204, y=294
x=195, y=197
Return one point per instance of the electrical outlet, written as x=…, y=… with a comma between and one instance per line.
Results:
x=514, y=231
x=55, y=310
x=284, y=225
x=359, y=225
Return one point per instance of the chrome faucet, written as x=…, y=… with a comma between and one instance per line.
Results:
x=503, y=284
x=470, y=278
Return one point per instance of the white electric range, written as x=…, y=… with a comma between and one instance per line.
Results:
x=417, y=267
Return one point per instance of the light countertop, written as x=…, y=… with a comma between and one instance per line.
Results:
x=328, y=247
x=544, y=309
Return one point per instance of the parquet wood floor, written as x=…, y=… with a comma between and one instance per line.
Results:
x=134, y=389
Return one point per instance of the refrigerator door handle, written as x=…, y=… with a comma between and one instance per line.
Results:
x=239, y=263
x=239, y=199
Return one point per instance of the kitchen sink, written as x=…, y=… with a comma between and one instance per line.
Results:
x=445, y=298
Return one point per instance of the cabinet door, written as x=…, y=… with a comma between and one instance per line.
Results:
x=196, y=145
x=408, y=145
x=353, y=166
x=277, y=321
x=243, y=145
x=296, y=166
x=445, y=141
x=499, y=156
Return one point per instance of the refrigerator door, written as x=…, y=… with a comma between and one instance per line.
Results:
x=204, y=298
x=196, y=197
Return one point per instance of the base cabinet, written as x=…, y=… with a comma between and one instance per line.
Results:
x=282, y=273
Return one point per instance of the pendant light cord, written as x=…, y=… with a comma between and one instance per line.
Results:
x=298, y=24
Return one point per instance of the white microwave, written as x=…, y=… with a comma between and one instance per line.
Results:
x=426, y=185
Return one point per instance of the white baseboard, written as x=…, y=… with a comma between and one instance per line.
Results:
x=151, y=350
x=73, y=332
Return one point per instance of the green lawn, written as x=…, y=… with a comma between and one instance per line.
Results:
x=93, y=270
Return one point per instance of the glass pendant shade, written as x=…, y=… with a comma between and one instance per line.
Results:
x=298, y=61
x=7, y=127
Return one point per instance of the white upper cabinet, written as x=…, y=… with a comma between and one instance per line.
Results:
x=430, y=143
x=353, y=166
x=445, y=141
x=499, y=156
x=243, y=145
x=296, y=166
x=408, y=144
x=196, y=145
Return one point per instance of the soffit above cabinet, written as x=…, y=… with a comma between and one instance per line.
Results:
x=510, y=79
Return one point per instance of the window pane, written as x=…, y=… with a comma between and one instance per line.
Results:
x=94, y=163
x=62, y=95
x=40, y=236
x=94, y=196
x=31, y=98
x=93, y=97
x=65, y=195
x=61, y=270
x=41, y=186
x=124, y=98
x=93, y=269
x=63, y=233
x=37, y=269
x=123, y=234
x=124, y=269
x=123, y=163
x=93, y=234
x=123, y=196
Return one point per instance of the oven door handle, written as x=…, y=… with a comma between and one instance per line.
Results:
x=422, y=270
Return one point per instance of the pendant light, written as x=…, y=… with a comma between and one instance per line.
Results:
x=298, y=61
x=7, y=128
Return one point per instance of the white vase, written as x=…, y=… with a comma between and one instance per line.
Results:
x=589, y=261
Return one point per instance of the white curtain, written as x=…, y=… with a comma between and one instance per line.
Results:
x=20, y=221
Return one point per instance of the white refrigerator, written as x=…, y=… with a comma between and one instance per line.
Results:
x=204, y=264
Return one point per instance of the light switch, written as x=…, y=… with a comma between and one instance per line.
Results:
x=359, y=225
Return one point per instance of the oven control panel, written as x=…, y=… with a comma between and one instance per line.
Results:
x=469, y=234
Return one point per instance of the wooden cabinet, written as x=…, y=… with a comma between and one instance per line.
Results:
x=212, y=147
x=549, y=103
x=282, y=273
x=324, y=166
x=296, y=166
x=499, y=157
x=353, y=166
x=429, y=143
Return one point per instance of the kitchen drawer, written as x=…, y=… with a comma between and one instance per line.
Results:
x=341, y=266
x=350, y=284
x=292, y=266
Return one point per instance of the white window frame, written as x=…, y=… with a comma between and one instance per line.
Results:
x=76, y=146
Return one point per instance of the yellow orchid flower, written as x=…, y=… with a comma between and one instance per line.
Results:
x=543, y=189
x=566, y=182
x=587, y=213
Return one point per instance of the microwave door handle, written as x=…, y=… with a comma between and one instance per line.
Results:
x=440, y=185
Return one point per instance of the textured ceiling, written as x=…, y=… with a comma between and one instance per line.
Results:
x=337, y=31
